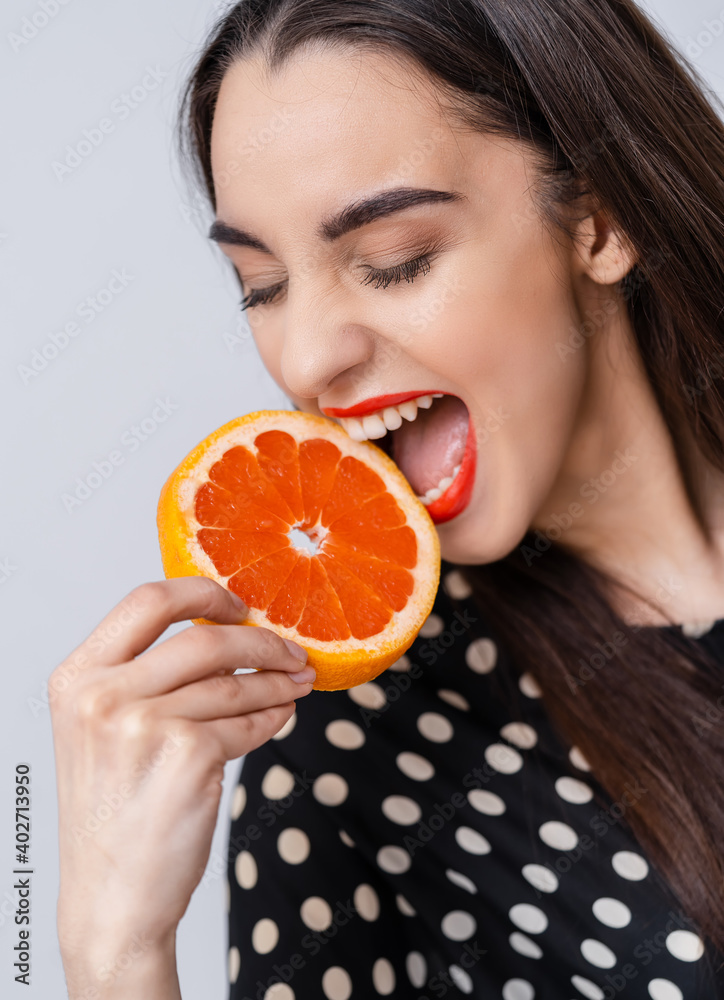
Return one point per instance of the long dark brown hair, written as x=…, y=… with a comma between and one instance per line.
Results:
x=612, y=112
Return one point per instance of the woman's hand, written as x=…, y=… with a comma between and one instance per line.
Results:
x=141, y=737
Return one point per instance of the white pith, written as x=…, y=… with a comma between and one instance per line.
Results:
x=376, y=425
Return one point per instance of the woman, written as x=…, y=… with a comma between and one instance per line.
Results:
x=530, y=803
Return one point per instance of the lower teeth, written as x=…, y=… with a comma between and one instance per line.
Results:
x=437, y=491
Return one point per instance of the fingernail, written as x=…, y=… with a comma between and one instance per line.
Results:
x=237, y=601
x=296, y=650
x=303, y=676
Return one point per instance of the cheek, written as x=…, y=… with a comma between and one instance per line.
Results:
x=269, y=344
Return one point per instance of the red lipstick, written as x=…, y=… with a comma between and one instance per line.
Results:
x=374, y=403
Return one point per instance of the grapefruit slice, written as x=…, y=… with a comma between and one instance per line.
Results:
x=320, y=535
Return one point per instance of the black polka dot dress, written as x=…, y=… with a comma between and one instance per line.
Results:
x=426, y=835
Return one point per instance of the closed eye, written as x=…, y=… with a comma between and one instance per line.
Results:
x=382, y=277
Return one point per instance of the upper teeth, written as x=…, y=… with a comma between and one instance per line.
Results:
x=376, y=425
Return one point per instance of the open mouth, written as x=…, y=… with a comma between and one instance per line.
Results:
x=429, y=440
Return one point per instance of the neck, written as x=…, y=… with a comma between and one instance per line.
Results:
x=632, y=511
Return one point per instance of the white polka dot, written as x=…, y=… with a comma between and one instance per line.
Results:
x=316, y=913
x=346, y=839
x=278, y=782
x=279, y=991
x=399, y=665
x=540, y=877
x=404, y=907
x=286, y=728
x=293, y=845
x=597, y=953
x=401, y=809
x=696, y=629
x=518, y=989
x=611, y=912
x=529, y=685
x=578, y=760
x=558, y=835
x=630, y=865
x=234, y=963
x=383, y=977
x=481, y=655
x=238, y=800
x=264, y=936
x=503, y=758
x=528, y=918
x=520, y=733
x=461, y=979
x=524, y=946
x=245, y=870
x=416, y=968
x=433, y=625
x=458, y=925
x=587, y=988
x=344, y=734
x=573, y=790
x=454, y=698
x=369, y=695
x=414, y=766
x=664, y=989
x=336, y=983
x=393, y=859
x=367, y=902
x=330, y=789
x=457, y=878
x=685, y=945
x=455, y=585
x=435, y=727
x=486, y=802
x=471, y=841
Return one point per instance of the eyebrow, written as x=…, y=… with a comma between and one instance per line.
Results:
x=353, y=216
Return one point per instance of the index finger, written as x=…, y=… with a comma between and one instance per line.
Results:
x=146, y=612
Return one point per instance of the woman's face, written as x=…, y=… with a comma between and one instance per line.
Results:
x=483, y=320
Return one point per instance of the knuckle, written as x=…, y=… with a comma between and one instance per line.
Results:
x=153, y=595
x=267, y=648
x=207, y=640
x=137, y=722
x=192, y=742
x=226, y=686
x=95, y=702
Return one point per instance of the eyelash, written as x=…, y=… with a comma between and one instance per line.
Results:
x=409, y=270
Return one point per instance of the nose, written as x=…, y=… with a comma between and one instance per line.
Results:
x=320, y=345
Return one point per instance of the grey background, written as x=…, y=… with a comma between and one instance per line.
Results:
x=171, y=332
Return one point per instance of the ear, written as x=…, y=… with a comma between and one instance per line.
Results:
x=601, y=251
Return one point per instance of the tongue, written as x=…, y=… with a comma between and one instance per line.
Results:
x=427, y=449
